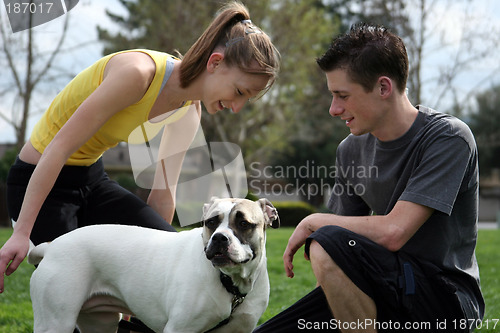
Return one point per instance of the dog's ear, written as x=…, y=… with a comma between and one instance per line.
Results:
x=207, y=206
x=271, y=214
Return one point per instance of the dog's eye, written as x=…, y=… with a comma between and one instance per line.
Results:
x=245, y=225
x=211, y=223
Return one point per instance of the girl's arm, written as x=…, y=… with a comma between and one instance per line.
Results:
x=170, y=159
x=126, y=79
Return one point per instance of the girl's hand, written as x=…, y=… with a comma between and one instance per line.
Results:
x=12, y=254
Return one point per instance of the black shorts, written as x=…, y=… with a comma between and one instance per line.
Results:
x=81, y=196
x=410, y=296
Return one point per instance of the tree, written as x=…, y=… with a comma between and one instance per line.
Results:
x=159, y=25
x=453, y=29
x=303, y=30
x=447, y=29
x=296, y=108
x=299, y=102
x=291, y=123
x=28, y=68
x=300, y=30
x=485, y=124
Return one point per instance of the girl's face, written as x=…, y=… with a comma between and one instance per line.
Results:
x=229, y=87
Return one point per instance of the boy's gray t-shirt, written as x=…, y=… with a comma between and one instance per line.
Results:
x=434, y=164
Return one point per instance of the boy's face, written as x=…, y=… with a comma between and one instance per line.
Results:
x=361, y=110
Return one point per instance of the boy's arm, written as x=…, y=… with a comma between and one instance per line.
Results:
x=391, y=231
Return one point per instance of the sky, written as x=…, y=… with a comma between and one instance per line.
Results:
x=87, y=14
x=481, y=75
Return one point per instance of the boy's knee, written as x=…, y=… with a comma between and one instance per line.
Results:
x=322, y=264
x=341, y=242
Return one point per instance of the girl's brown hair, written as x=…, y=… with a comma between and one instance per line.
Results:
x=242, y=42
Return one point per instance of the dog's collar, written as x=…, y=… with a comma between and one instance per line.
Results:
x=238, y=298
x=227, y=282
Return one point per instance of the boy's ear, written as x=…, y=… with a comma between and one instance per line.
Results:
x=385, y=86
x=214, y=61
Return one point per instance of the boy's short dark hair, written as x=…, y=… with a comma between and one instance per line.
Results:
x=367, y=52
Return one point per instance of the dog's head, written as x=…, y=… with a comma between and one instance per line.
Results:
x=234, y=230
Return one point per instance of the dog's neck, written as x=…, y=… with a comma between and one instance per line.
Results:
x=231, y=288
x=244, y=276
x=238, y=298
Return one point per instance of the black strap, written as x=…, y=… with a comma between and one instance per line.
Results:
x=238, y=298
x=227, y=282
x=407, y=284
x=133, y=325
x=222, y=323
x=138, y=326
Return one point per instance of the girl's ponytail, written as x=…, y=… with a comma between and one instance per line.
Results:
x=242, y=42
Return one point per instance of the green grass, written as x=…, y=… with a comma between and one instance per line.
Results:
x=15, y=305
x=488, y=254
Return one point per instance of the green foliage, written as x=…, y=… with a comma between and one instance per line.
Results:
x=288, y=125
x=318, y=158
x=15, y=306
x=126, y=181
x=297, y=107
x=292, y=212
x=251, y=196
x=485, y=123
x=6, y=162
x=301, y=30
x=158, y=25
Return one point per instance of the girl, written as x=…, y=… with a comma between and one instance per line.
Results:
x=58, y=182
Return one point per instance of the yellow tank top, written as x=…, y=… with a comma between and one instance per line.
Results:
x=118, y=127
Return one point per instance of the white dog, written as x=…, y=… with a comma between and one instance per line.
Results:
x=212, y=277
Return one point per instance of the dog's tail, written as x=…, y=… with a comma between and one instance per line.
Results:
x=36, y=254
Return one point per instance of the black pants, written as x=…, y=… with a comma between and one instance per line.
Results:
x=410, y=296
x=81, y=196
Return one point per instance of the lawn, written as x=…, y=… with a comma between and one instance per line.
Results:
x=15, y=306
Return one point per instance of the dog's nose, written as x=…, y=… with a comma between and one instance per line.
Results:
x=220, y=239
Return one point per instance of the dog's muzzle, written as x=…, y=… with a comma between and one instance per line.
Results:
x=217, y=252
